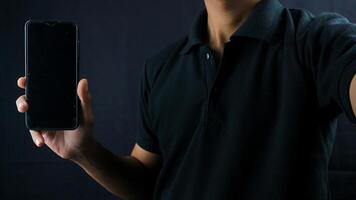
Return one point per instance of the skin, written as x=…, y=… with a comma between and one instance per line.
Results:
x=129, y=177
x=134, y=176
x=352, y=94
x=224, y=18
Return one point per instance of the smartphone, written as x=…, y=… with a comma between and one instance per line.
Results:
x=51, y=68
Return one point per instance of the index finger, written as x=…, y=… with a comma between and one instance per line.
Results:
x=21, y=82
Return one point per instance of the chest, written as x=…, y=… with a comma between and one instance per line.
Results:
x=249, y=89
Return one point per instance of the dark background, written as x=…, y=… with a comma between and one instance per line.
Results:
x=116, y=36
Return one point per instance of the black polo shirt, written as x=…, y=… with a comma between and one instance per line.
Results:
x=261, y=124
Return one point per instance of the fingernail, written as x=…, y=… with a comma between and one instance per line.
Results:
x=21, y=105
x=87, y=86
x=36, y=142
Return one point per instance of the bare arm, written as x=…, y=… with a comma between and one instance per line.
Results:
x=129, y=177
x=353, y=94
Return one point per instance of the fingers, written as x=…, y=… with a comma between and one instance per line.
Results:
x=37, y=138
x=48, y=135
x=22, y=107
x=85, y=100
x=83, y=92
x=21, y=82
x=21, y=104
x=21, y=101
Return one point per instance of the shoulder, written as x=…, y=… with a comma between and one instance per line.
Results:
x=155, y=63
x=307, y=24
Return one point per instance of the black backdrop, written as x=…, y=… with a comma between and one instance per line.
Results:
x=116, y=36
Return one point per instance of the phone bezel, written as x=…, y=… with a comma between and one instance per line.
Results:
x=77, y=120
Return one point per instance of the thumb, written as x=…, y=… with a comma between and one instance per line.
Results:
x=85, y=100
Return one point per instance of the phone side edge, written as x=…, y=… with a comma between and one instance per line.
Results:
x=26, y=64
x=77, y=52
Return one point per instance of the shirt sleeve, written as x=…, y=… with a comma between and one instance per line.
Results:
x=328, y=46
x=145, y=136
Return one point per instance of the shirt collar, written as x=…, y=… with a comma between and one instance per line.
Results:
x=261, y=24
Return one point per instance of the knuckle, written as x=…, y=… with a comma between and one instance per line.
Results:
x=20, y=101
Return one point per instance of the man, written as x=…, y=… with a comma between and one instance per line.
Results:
x=244, y=107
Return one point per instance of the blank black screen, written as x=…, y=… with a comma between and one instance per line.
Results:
x=51, y=70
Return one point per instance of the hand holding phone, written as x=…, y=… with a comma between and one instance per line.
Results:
x=68, y=144
x=53, y=96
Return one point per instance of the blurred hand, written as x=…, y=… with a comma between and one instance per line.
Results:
x=66, y=144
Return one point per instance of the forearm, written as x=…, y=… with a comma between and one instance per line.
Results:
x=124, y=176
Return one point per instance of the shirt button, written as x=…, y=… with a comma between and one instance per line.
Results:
x=207, y=56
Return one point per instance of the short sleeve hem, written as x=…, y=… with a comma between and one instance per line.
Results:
x=146, y=145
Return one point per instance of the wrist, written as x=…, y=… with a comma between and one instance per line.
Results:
x=86, y=151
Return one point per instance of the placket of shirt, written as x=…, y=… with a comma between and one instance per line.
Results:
x=210, y=66
x=211, y=122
